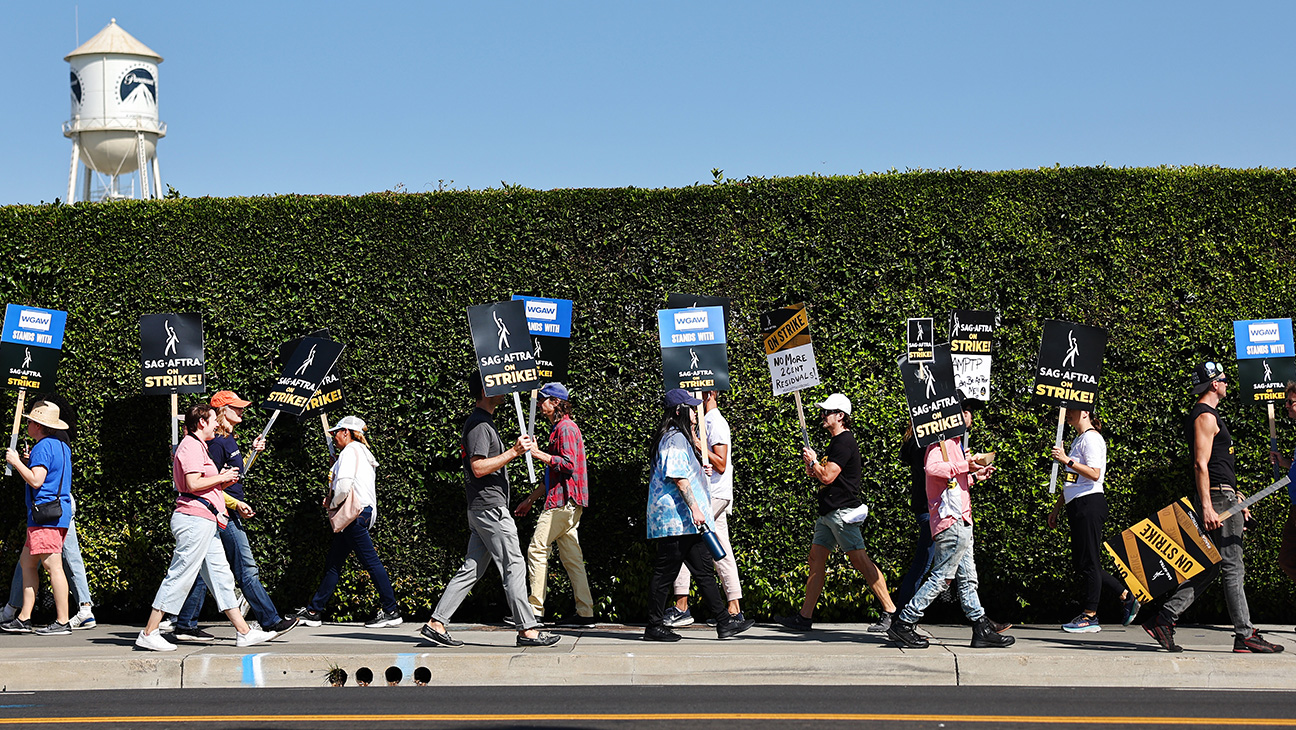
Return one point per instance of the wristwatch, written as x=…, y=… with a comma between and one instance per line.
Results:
x=1070, y=463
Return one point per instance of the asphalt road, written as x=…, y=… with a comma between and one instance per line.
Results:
x=725, y=708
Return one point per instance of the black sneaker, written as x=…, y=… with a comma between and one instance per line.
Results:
x=1163, y=631
x=286, y=624
x=655, y=632
x=58, y=629
x=441, y=638
x=384, y=619
x=732, y=624
x=1253, y=644
x=310, y=618
x=985, y=637
x=903, y=633
x=796, y=622
x=195, y=634
x=16, y=626
x=883, y=624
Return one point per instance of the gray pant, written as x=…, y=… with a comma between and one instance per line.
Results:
x=494, y=538
x=1228, y=540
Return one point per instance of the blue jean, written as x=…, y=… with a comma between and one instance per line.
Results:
x=355, y=537
x=924, y=552
x=73, y=565
x=953, y=562
x=246, y=576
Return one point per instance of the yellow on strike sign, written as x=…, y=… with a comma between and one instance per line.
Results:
x=789, y=332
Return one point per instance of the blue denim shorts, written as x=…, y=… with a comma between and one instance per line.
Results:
x=832, y=530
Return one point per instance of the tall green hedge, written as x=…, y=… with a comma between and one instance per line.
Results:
x=1164, y=258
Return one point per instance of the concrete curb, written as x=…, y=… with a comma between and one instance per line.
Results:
x=833, y=654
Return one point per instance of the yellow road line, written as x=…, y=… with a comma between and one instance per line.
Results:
x=674, y=717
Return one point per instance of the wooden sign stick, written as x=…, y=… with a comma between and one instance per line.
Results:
x=517, y=403
x=252, y=459
x=805, y=435
x=175, y=421
x=13, y=437
x=1273, y=438
x=328, y=441
x=1058, y=442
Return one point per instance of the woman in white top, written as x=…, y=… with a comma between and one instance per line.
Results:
x=1086, y=508
x=354, y=470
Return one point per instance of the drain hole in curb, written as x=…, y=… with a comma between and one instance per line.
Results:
x=394, y=676
x=364, y=676
x=422, y=676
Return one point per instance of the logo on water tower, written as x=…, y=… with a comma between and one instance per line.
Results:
x=138, y=88
x=76, y=89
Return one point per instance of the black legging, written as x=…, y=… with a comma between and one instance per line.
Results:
x=1086, y=516
x=672, y=552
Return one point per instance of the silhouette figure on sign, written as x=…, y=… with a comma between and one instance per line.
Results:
x=537, y=350
x=172, y=339
x=928, y=377
x=1268, y=373
x=503, y=333
x=26, y=360
x=310, y=360
x=1072, y=351
x=694, y=363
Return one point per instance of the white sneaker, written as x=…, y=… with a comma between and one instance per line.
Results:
x=167, y=626
x=7, y=614
x=153, y=642
x=84, y=619
x=253, y=637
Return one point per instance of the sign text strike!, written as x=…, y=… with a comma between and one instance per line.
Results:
x=510, y=377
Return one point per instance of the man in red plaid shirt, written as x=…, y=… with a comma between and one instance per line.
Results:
x=566, y=495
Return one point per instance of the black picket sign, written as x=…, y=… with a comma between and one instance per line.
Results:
x=171, y=353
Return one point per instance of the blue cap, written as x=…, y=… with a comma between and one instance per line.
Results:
x=554, y=390
x=680, y=397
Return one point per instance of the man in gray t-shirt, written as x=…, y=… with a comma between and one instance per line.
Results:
x=493, y=534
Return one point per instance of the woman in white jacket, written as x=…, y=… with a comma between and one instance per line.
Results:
x=353, y=471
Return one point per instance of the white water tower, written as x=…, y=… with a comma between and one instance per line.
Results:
x=114, y=127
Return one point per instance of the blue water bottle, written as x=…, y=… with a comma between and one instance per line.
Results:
x=712, y=542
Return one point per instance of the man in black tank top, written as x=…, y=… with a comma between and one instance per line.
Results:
x=1215, y=490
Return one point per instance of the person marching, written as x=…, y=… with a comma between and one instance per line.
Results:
x=73, y=563
x=565, y=491
x=839, y=476
x=1210, y=447
x=914, y=459
x=354, y=472
x=949, y=505
x=719, y=455
x=676, y=517
x=46, y=471
x=225, y=452
x=200, y=512
x=1086, y=509
x=493, y=535
x=1287, y=549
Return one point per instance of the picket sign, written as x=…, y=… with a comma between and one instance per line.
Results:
x=328, y=440
x=1273, y=438
x=264, y=432
x=701, y=423
x=522, y=428
x=1067, y=373
x=1244, y=504
x=789, y=352
x=302, y=377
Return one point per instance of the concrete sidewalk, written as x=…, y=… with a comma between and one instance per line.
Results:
x=832, y=654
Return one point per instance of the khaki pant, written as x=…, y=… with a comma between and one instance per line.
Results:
x=727, y=568
x=558, y=525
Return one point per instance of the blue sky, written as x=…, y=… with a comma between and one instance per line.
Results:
x=349, y=98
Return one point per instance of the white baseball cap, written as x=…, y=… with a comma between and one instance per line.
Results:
x=352, y=423
x=837, y=402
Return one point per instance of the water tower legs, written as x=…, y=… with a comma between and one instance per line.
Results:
x=72, y=170
x=142, y=161
x=157, y=179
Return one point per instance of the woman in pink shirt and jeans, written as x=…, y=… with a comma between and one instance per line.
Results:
x=200, y=512
x=949, y=473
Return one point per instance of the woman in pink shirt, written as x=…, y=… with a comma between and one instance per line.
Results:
x=200, y=512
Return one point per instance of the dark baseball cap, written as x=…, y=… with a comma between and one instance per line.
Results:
x=680, y=397
x=1204, y=374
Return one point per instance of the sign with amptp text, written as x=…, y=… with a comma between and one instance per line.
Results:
x=971, y=344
